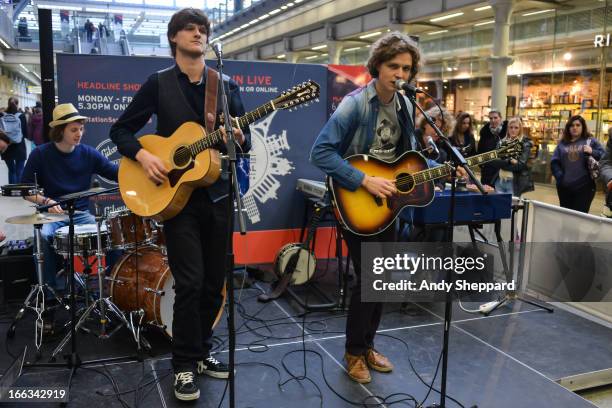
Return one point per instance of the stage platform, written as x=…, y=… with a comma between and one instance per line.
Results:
x=512, y=358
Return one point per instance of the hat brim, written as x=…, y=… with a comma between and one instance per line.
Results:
x=55, y=123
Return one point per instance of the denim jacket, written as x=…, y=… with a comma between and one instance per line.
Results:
x=350, y=131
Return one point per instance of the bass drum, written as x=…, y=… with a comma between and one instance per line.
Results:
x=154, y=292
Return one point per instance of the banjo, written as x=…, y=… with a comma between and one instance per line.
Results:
x=296, y=259
x=295, y=262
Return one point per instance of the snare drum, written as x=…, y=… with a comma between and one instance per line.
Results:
x=20, y=190
x=128, y=230
x=155, y=290
x=85, y=239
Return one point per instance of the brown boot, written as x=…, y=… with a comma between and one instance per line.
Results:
x=378, y=362
x=357, y=368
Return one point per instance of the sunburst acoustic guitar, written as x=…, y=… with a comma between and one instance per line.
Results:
x=190, y=159
x=365, y=214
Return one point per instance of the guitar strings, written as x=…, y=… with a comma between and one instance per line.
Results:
x=422, y=177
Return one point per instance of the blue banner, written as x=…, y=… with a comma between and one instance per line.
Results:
x=101, y=87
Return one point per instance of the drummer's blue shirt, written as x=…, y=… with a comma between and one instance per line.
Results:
x=61, y=173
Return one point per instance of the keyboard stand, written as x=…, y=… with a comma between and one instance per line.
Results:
x=338, y=304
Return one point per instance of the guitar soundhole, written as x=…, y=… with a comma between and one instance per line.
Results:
x=182, y=156
x=404, y=182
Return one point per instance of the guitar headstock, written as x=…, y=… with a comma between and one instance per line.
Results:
x=510, y=149
x=298, y=95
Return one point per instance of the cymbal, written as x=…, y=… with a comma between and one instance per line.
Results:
x=37, y=218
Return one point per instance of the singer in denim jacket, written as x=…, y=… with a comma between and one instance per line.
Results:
x=375, y=120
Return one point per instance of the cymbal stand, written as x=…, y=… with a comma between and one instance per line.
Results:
x=36, y=297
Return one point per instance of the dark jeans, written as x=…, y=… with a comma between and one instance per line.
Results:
x=579, y=199
x=196, y=243
x=363, y=318
x=15, y=169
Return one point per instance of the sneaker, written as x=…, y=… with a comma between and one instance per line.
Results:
x=213, y=368
x=184, y=387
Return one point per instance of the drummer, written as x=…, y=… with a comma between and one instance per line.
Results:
x=61, y=167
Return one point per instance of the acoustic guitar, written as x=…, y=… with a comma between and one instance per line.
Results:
x=190, y=158
x=364, y=214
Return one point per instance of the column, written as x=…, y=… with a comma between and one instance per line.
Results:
x=500, y=60
x=334, y=50
x=292, y=56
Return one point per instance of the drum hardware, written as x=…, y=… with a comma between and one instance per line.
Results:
x=117, y=281
x=85, y=243
x=102, y=305
x=135, y=329
x=154, y=291
x=37, y=293
x=21, y=190
x=35, y=300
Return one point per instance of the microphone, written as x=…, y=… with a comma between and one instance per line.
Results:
x=218, y=49
x=432, y=147
x=402, y=85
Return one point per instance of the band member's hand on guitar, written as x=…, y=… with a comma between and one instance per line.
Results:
x=237, y=132
x=153, y=166
x=379, y=186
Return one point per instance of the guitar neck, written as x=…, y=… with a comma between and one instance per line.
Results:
x=216, y=137
x=442, y=171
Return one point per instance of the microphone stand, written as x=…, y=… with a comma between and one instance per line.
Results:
x=233, y=196
x=457, y=160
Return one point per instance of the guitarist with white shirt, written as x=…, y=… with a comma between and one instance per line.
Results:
x=196, y=236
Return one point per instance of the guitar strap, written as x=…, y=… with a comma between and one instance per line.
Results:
x=210, y=98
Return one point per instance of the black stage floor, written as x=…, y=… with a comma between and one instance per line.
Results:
x=509, y=359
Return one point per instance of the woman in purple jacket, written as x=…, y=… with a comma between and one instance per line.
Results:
x=575, y=187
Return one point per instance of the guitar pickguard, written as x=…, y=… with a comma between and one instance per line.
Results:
x=174, y=176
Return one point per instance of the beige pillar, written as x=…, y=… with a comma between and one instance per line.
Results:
x=334, y=50
x=500, y=58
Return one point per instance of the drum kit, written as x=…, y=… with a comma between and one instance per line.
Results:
x=140, y=283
